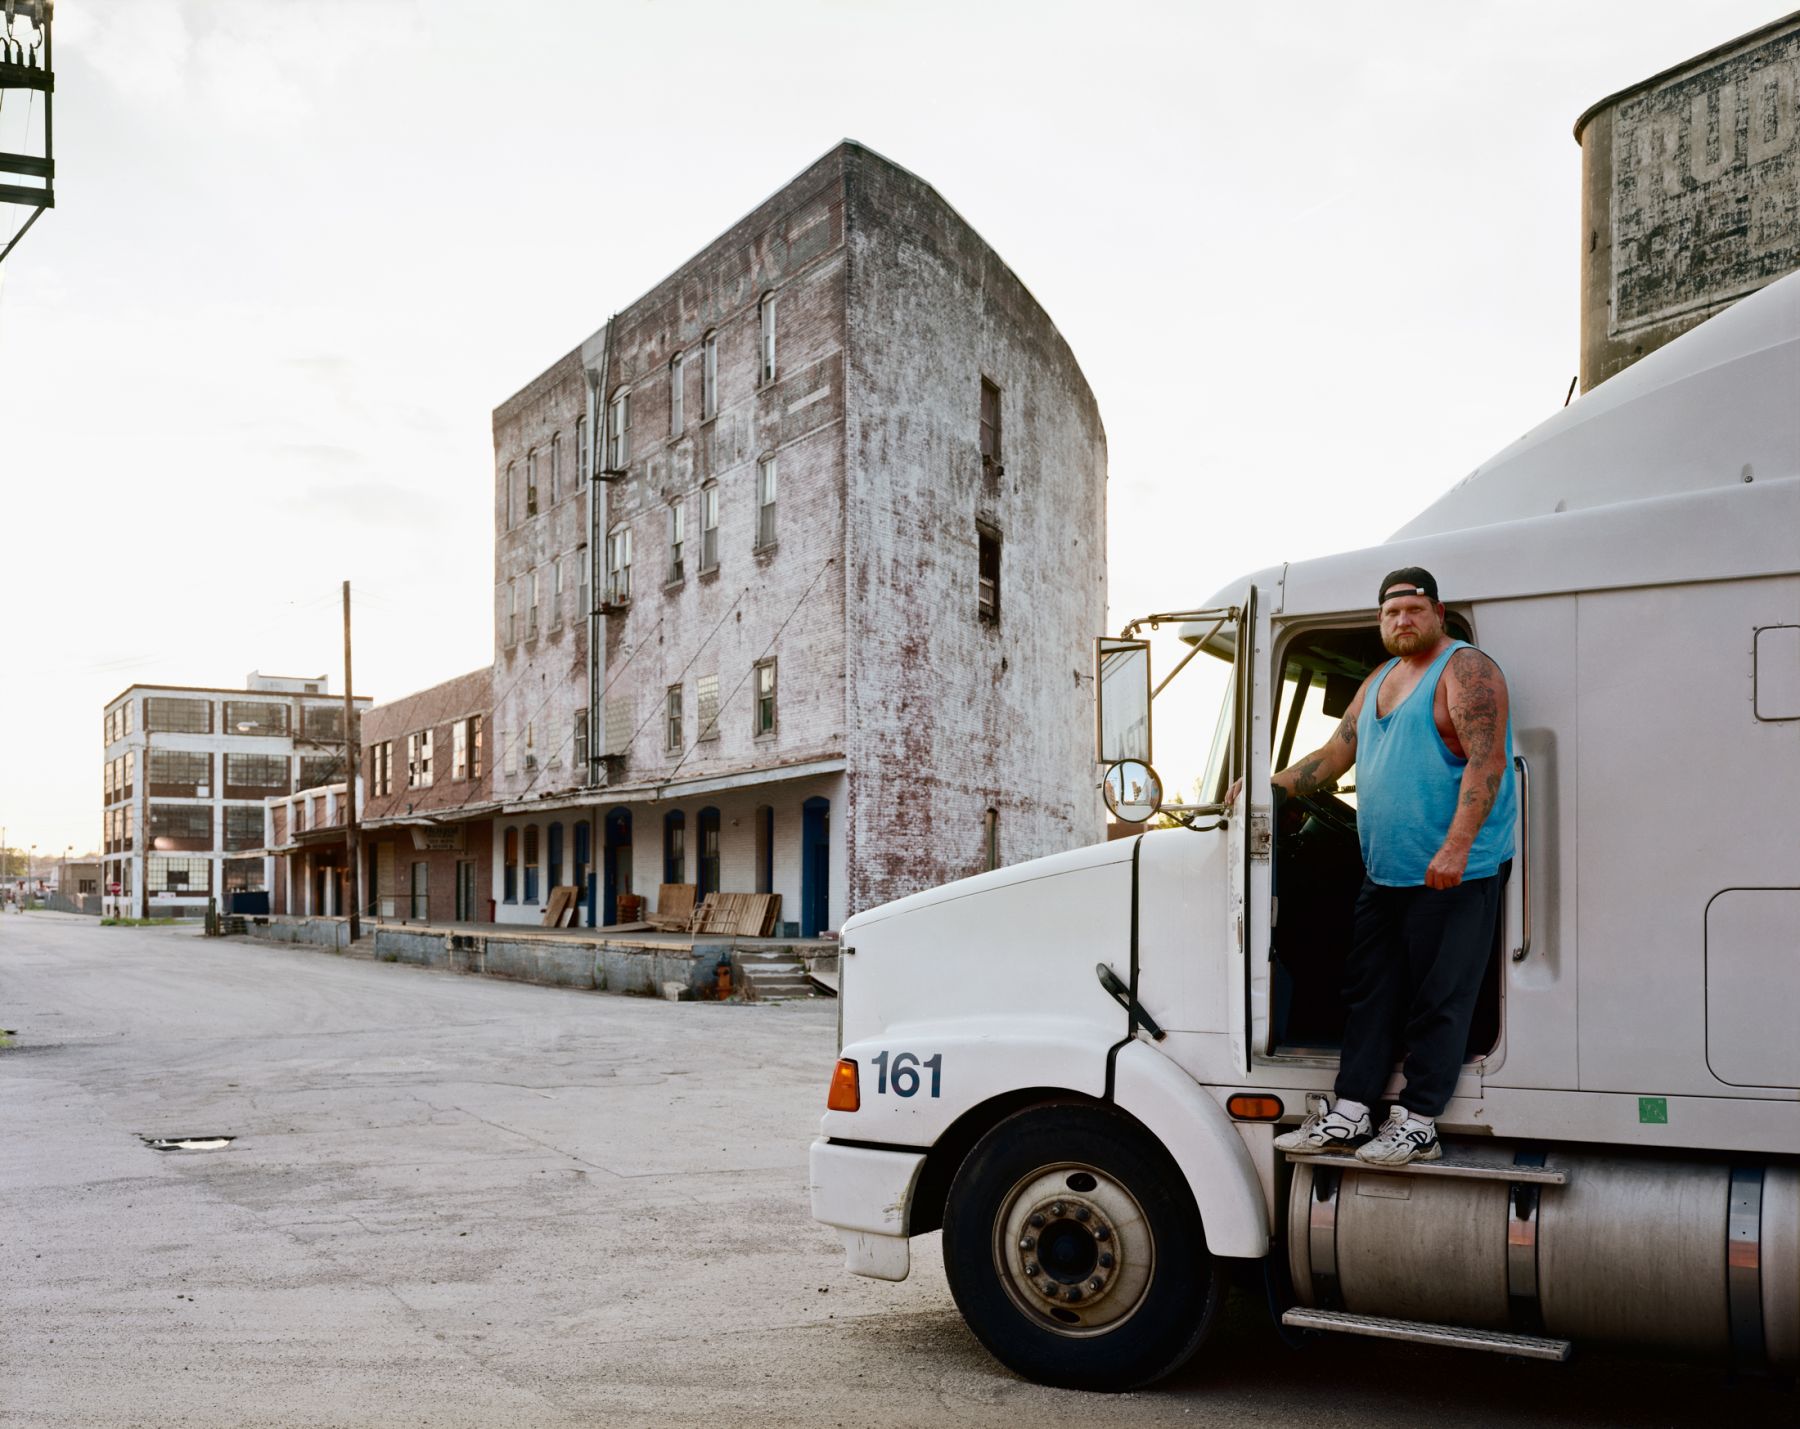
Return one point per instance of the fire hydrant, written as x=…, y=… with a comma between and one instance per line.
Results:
x=723, y=975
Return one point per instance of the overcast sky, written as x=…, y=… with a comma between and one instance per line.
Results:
x=1316, y=260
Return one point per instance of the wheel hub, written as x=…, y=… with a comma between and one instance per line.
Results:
x=1074, y=1249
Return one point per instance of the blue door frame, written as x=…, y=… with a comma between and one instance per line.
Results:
x=618, y=845
x=815, y=867
x=584, y=877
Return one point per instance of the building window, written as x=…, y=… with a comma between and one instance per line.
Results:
x=255, y=717
x=767, y=325
x=556, y=593
x=418, y=760
x=709, y=377
x=677, y=397
x=672, y=719
x=186, y=876
x=324, y=723
x=619, y=431
x=990, y=838
x=509, y=885
x=512, y=613
x=531, y=863
x=709, y=528
x=556, y=473
x=257, y=771
x=459, y=750
x=531, y=482
x=580, y=758
x=381, y=757
x=581, y=453
x=176, y=716
x=172, y=769
x=762, y=718
x=243, y=827
x=708, y=825
x=677, y=539
x=509, y=498
x=531, y=611
x=765, y=502
x=618, y=566
x=243, y=875
x=182, y=823
x=318, y=770
x=581, y=581
x=706, y=692
x=990, y=425
x=987, y=601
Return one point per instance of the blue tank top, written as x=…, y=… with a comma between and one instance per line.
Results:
x=1408, y=783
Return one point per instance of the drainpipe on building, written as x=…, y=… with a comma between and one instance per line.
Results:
x=597, y=449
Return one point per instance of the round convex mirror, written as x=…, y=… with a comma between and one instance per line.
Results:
x=1132, y=790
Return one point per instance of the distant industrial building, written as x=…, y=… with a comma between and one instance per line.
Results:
x=1690, y=195
x=797, y=565
x=186, y=773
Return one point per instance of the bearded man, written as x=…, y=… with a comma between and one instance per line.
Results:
x=1431, y=739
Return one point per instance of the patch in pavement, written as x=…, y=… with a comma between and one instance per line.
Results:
x=186, y=1143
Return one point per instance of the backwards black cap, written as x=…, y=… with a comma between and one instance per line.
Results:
x=1408, y=580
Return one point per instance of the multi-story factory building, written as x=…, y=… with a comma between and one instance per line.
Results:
x=185, y=774
x=844, y=512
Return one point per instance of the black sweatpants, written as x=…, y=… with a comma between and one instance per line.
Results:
x=1414, y=972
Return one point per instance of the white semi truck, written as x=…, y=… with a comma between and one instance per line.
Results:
x=1076, y=1067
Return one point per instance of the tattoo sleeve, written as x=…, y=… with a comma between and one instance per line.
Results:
x=1478, y=714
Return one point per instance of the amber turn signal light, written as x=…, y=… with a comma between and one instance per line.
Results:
x=1245, y=1107
x=845, y=1095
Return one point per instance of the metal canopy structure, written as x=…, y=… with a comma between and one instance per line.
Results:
x=25, y=73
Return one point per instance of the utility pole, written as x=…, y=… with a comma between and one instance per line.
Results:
x=352, y=769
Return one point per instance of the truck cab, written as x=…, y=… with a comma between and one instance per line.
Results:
x=1076, y=1067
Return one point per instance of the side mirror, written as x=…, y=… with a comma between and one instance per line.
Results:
x=1132, y=791
x=1121, y=700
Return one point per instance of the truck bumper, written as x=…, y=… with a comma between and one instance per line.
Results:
x=865, y=1194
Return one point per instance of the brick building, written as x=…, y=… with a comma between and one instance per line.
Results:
x=845, y=519
x=428, y=800
x=186, y=773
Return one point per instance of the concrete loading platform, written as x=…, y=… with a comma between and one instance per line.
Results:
x=632, y=959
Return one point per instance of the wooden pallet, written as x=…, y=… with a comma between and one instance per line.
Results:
x=564, y=904
x=674, y=907
x=742, y=915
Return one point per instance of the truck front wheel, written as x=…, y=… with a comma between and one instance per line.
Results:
x=1075, y=1253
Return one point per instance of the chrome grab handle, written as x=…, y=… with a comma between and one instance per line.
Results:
x=1523, y=951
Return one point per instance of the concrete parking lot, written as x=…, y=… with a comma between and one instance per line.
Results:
x=458, y=1201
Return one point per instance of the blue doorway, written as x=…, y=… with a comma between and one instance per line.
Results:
x=584, y=879
x=815, y=867
x=618, y=863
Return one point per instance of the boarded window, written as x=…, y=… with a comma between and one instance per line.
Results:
x=990, y=424
x=987, y=543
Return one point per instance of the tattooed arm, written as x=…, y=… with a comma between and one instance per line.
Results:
x=1476, y=693
x=1322, y=768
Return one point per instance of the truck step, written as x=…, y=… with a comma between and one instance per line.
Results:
x=1448, y=1166
x=1531, y=1347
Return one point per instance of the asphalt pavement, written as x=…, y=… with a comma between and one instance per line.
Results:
x=452, y=1200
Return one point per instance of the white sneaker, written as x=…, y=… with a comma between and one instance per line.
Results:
x=1402, y=1138
x=1324, y=1129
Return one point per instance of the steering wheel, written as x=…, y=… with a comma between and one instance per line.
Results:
x=1332, y=812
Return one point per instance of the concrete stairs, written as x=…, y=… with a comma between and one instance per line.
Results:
x=774, y=975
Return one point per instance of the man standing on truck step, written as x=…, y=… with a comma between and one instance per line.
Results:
x=1431, y=738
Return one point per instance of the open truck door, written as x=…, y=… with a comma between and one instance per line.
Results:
x=1251, y=838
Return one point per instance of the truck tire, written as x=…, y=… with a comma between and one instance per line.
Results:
x=1075, y=1253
